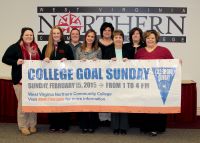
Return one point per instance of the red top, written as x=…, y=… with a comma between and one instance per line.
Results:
x=158, y=53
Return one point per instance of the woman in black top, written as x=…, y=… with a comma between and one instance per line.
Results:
x=106, y=42
x=136, y=42
x=24, y=49
x=56, y=49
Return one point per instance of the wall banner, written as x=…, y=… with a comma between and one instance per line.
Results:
x=170, y=22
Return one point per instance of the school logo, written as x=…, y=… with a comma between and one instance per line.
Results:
x=69, y=21
x=168, y=21
x=164, y=77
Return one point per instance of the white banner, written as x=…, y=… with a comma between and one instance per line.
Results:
x=134, y=86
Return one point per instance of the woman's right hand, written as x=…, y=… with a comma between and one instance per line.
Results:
x=83, y=59
x=20, y=61
x=46, y=60
x=114, y=59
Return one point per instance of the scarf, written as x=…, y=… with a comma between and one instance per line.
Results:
x=30, y=53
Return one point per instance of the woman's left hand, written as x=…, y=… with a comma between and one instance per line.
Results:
x=63, y=59
x=94, y=59
x=125, y=59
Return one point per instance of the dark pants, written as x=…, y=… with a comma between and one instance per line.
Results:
x=88, y=120
x=119, y=121
x=59, y=121
x=153, y=122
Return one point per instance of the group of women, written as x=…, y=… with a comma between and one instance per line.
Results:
x=110, y=46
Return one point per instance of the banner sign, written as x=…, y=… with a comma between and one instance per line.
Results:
x=133, y=86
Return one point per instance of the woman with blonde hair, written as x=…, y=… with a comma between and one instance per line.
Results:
x=56, y=49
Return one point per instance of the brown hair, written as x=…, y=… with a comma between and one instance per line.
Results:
x=118, y=32
x=104, y=26
x=132, y=31
x=149, y=32
x=50, y=45
x=94, y=44
x=70, y=35
x=23, y=30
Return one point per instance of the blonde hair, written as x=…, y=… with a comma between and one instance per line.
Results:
x=50, y=45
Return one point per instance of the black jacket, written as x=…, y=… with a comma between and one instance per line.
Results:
x=63, y=51
x=131, y=50
x=10, y=57
x=110, y=53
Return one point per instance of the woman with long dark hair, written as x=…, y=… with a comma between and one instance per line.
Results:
x=89, y=51
x=24, y=49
